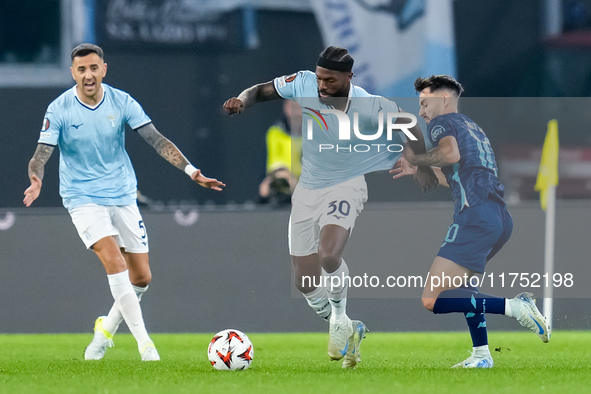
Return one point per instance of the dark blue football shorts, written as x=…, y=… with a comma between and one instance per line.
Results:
x=477, y=234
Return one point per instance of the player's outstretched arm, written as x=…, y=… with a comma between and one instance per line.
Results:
x=426, y=176
x=209, y=183
x=36, y=172
x=423, y=174
x=255, y=94
x=174, y=156
x=402, y=168
x=417, y=146
x=446, y=153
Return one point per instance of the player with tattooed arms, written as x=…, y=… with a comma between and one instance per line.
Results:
x=99, y=188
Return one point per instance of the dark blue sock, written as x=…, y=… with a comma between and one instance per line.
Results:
x=474, y=304
x=477, y=326
x=466, y=300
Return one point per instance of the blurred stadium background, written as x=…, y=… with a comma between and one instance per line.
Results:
x=522, y=63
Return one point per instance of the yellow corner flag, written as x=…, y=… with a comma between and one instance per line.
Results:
x=548, y=174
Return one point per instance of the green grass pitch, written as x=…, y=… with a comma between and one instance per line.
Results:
x=297, y=363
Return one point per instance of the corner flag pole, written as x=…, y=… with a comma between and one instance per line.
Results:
x=549, y=253
x=546, y=185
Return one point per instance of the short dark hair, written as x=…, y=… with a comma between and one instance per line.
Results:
x=336, y=58
x=436, y=82
x=86, y=49
x=337, y=54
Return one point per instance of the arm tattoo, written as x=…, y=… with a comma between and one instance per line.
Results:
x=163, y=146
x=267, y=92
x=258, y=93
x=40, y=157
x=431, y=158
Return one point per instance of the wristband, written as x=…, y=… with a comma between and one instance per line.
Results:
x=190, y=169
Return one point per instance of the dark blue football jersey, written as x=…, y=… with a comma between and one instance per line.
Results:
x=473, y=179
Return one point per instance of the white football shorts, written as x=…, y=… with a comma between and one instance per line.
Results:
x=311, y=210
x=125, y=223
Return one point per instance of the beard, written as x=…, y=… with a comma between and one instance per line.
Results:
x=336, y=97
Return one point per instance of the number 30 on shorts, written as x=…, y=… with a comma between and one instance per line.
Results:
x=343, y=207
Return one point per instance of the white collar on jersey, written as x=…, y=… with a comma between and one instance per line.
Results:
x=350, y=94
x=83, y=103
x=349, y=99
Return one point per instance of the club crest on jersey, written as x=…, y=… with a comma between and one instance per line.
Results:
x=436, y=131
x=112, y=118
x=45, y=125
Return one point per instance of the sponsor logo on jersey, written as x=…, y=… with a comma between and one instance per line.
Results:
x=76, y=126
x=45, y=135
x=436, y=131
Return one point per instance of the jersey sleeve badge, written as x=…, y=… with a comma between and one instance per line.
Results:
x=436, y=132
x=284, y=80
x=45, y=125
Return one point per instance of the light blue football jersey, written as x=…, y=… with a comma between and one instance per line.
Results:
x=94, y=166
x=323, y=166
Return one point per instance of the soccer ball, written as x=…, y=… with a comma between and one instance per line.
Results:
x=230, y=350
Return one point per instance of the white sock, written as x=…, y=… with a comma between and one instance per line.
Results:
x=114, y=318
x=481, y=351
x=512, y=307
x=318, y=300
x=337, y=292
x=129, y=306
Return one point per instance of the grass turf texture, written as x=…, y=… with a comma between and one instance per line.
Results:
x=298, y=363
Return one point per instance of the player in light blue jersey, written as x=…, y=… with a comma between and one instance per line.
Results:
x=332, y=190
x=464, y=161
x=98, y=187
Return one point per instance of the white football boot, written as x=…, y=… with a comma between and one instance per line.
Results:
x=149, y=353
x=338, y=339
x=529, y=316
x=100, y=342
x=353, y=355
x=476, y=362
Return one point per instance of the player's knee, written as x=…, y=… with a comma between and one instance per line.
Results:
x=142, y=280
x=329, y=260
x=113, y=263
x=428, y=303
x=304, y=289
x=304, y=284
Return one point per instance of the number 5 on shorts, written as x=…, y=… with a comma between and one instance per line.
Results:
x=141, y=223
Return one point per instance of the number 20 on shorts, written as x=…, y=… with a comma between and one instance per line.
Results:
x=452, y=233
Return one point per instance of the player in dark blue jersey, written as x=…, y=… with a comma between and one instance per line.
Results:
x=464, y=161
